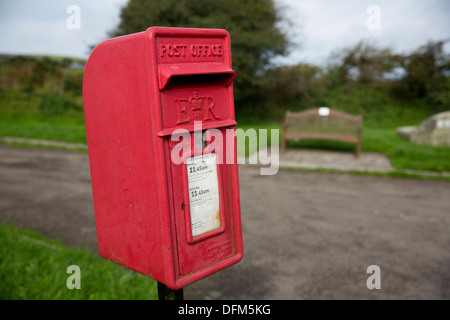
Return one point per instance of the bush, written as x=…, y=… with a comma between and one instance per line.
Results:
x=54, y=104
x=73, y=84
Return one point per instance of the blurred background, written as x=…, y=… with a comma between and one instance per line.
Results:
x=386, y=60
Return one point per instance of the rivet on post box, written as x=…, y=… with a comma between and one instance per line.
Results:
x=151, y=97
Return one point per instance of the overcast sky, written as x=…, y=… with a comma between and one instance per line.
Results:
x=318, y=27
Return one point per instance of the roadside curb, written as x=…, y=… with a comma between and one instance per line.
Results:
x=45, y=143
x=345, y=169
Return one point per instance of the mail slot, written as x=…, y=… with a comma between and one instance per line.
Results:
x=160, y=125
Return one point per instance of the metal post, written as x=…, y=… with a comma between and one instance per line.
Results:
x=164, y=293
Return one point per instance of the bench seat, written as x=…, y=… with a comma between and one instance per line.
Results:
x=323, y=124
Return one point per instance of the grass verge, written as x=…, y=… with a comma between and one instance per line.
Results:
x=58, y=129
x=392, y=174
x=33, y=267
x=402, y=154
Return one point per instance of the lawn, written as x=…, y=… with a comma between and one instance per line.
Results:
x=50, y=107
x=402, y=154
x=33, y=267
x=58, y=129
x=41, y=98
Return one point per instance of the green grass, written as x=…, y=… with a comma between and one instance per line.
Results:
x=58, y=129
x=401, y=153
x=404, y=154
x=40, y=98
x=379, y=107
x=247, y=145
x=33, y=267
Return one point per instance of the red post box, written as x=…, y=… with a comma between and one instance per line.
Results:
x=175, y=221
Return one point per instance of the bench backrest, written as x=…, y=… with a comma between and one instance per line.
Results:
x=323, y=120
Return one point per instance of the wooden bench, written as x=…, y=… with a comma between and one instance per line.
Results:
x=324, y=124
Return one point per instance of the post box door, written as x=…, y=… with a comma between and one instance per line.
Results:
x=201, y=209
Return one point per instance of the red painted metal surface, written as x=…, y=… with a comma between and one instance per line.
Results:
x=137, y=90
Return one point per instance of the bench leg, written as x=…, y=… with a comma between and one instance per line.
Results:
x=358, y=149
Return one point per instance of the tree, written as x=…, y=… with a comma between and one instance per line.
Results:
x=252, y=24
x=427, y=69
x=364, y=63
x=291, y=86
x=428, y=76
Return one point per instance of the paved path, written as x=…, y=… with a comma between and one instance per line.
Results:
x=292, y=158
x=337, y=161
x=307, y=235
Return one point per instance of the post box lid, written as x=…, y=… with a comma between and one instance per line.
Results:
x=168, y=71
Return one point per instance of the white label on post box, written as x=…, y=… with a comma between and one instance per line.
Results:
x=203, y=193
